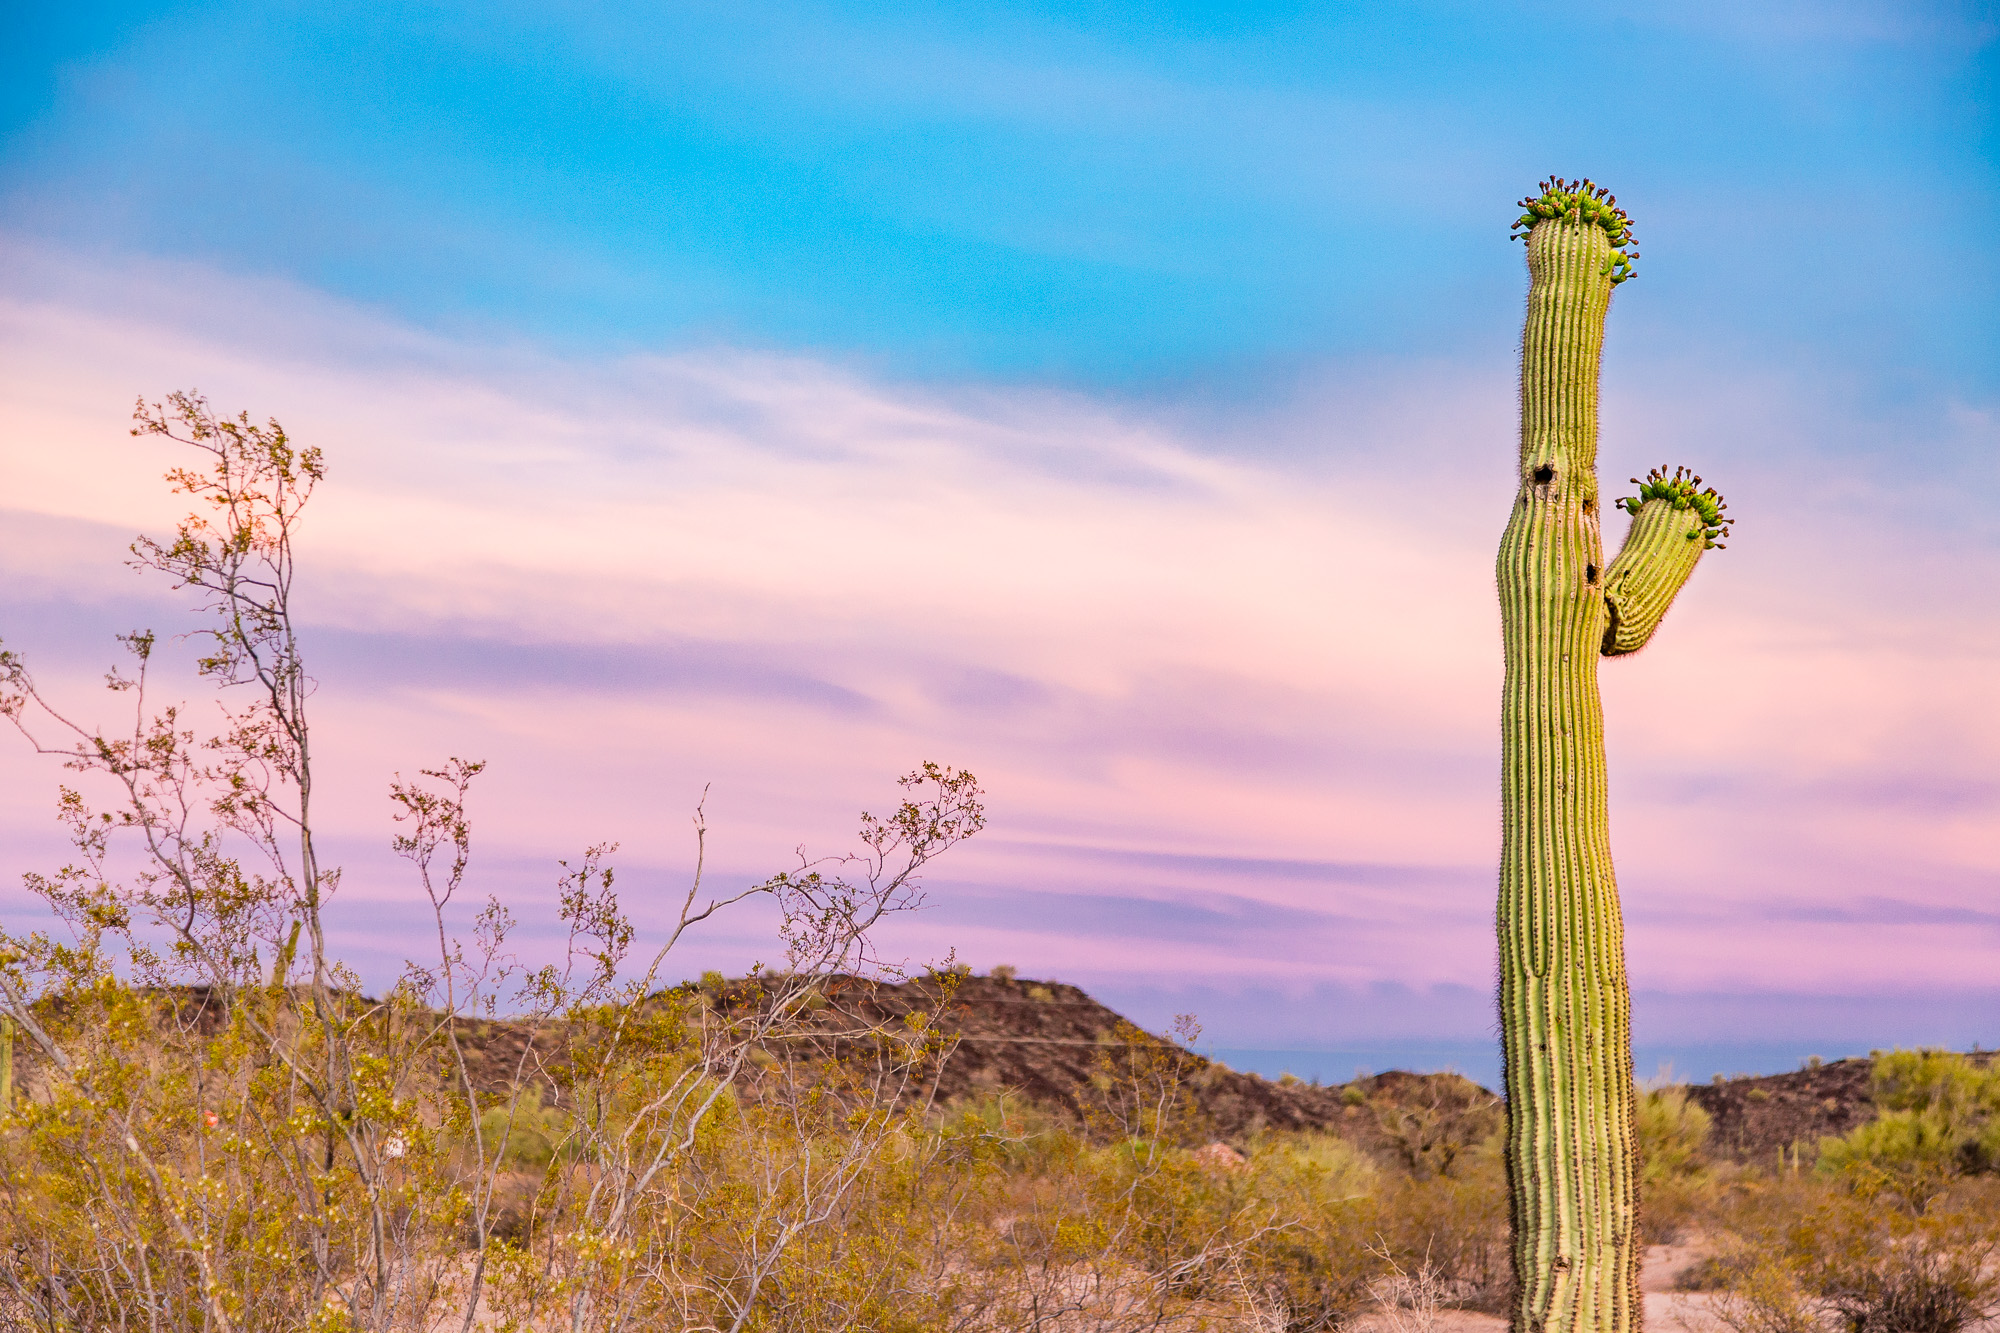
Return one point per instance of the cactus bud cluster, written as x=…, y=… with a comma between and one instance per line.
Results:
x=1683, y=490
x=1583, y=203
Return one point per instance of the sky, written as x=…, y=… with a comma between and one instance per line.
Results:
x=737, y=405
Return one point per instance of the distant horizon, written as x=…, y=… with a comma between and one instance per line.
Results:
x=1483, y=1067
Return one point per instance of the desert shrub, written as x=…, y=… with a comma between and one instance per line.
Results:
x=1137, y=1233
x=1337, y=1170
x=1434, y=1122
x=1003, y=1127
x=1896, y=1231
x=218, y=1129
x=1128, y=1218
x=1310, y=1267
x=1290, y=1230
x=1943, y=1082
x=1672, y=1133
x=1139, y=1088
x=1675, y=1177
x=1807, y=1253
x=1454, y=1229
x=1914, y=1152
x=1939, y=1119
x=524, y=1132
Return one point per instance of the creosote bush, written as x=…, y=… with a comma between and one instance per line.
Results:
x=1939, y=1119
x=1895, y=1229
x=1814, y=1252
x=221, y=1130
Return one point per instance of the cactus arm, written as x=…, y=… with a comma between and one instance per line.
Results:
x=1673, y=523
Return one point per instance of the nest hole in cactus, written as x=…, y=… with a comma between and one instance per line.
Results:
x=1545, y=474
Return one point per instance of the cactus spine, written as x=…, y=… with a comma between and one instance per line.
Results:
x=1565, y=1009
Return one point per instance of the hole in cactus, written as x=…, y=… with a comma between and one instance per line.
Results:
x=1590, y=573
x=1545, y=474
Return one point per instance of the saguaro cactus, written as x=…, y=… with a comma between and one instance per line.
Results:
x=1565, y=1010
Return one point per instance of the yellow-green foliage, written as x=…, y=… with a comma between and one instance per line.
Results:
x=1897, y=1231
x=1802, y=1251
x=1296, y=1230
x=180, y=1156
x=524, y=1132
x=1675, y=1176
x=1325, y=1199
x=1939, y=1118
x=1672, y=1133
x=789, y=1199
x=1945, y=1083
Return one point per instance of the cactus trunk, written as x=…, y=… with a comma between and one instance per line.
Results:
x=1565, y=1008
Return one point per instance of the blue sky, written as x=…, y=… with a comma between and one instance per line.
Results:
x=1123, y=194
x=1115, y=399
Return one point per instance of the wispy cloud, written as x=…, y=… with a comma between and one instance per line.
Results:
x=1235, y=705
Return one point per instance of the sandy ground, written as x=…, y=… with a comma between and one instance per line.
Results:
x=1667, y=1310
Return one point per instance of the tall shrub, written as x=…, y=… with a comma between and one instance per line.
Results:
x=219, y=1130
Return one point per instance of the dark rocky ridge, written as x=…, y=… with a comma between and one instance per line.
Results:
x=1047, y=1041
x=1756, y=1118
x=1052, y=1044
x=1047, y=1049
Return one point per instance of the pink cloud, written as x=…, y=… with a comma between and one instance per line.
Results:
x=1236, y=707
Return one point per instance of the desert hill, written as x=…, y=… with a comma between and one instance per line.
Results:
x=1053, y=1045
x=1047, y=1041
x=1043, y=1039
x=1753, y=1119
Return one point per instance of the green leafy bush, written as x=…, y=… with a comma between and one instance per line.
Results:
x=1672, y=1134
x=1939, y=1119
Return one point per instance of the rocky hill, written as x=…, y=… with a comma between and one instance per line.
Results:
x=1754, y=1119
x=1053, y=1045
x=1046, y=1040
